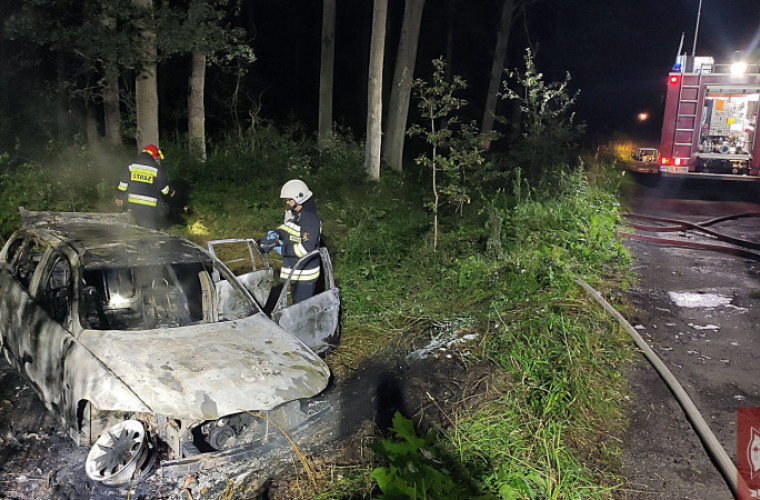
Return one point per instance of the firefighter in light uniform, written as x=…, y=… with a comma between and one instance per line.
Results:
x=144, y=187
x=296, y=237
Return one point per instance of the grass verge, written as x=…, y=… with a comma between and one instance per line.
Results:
x=504, y=266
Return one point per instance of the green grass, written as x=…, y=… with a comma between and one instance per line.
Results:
x=505, y=264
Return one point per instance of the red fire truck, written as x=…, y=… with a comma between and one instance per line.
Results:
x=710, y=120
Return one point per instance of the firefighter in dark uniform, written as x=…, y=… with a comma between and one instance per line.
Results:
x=296, y=237
x=145, y=188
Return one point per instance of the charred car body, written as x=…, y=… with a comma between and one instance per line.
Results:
x=146, y=345
x=315, y=320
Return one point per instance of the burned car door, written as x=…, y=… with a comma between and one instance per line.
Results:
x=314, y=321
x=36, y=320
x=20, y=259
x=54, y=336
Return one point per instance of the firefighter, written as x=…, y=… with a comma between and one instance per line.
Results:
x=296, y=237
x=145, y=188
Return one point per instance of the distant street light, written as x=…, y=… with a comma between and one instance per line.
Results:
x=643, y=116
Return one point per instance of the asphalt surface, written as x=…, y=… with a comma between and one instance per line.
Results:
x=700, y=313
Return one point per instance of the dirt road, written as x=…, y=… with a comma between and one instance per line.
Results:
x=700, y=312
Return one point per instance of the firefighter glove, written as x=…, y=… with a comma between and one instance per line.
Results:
x=266, y=245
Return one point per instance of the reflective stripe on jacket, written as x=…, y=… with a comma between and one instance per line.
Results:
x=137, y=199
x=300, y=235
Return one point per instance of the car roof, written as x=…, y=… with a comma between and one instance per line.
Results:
x=109, y=240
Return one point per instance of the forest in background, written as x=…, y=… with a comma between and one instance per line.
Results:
x=264, y=56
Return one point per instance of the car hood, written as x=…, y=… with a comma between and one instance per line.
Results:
x=209, y=370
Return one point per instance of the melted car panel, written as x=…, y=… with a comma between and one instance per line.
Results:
x=110, y=321
x=315, y=321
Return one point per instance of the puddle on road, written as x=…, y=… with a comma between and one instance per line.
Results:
x=699, y=300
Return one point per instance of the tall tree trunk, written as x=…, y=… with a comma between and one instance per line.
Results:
x=398, y=106
x=450, y=13
x=326, y=70
x=146, y=81
x=196, y=126
x=375, y=89
x=91, y=125
x=62, y=107
x=111, y=114
x=497, y=68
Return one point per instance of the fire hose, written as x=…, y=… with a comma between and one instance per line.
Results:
x=714, y=448
x=736, y=246
x=726, y=467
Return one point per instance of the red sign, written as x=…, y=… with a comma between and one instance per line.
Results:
x=748, y=453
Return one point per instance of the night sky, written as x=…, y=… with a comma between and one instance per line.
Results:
x=618, y=53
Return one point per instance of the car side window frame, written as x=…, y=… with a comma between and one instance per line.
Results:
x=12, y=253
x=56, y=294
x=26, y=261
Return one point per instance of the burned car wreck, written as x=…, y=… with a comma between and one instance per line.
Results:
x=147, y=347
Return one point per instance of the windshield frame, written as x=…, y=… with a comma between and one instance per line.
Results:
x=147, y=296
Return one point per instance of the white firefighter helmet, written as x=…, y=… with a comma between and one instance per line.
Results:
x=295, y=189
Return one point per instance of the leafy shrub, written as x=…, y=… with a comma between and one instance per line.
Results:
x=415, y=468
x=547, y=123
x=454, y=146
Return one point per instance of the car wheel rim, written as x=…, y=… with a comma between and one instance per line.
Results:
x=114, y=457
